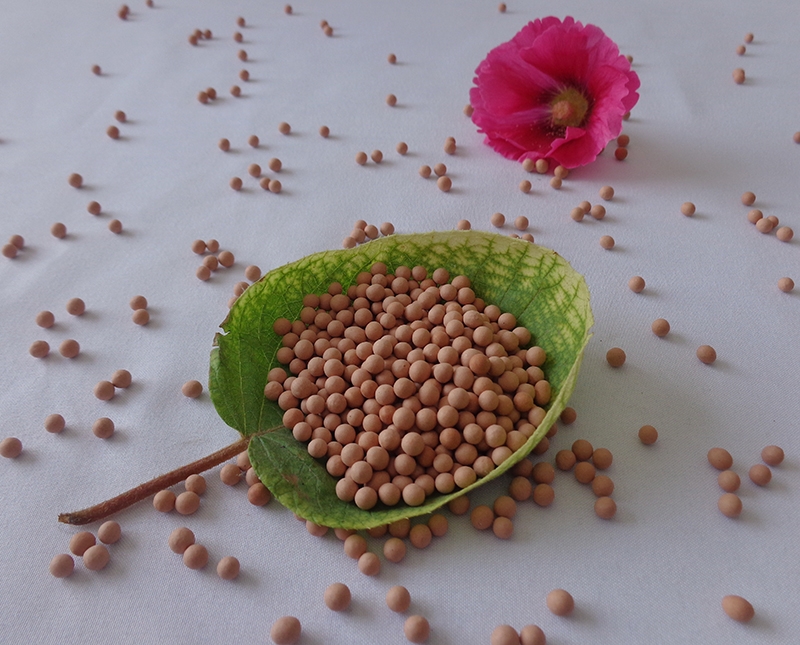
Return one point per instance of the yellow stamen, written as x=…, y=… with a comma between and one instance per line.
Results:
x=569, y=108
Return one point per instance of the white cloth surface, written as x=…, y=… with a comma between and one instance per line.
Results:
x=654, y=574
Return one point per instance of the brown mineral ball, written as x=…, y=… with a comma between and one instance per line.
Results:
x=58, y=230
x=195, y=556
x=285, y=630
x=444, y=184
x=115, y=226
x=180, y=539
x=706, y=354
x=602, y=458
x=607, y=242
x=748, y=198
x=202, y=96
x=738, y=608
x=103, y=428
x=532, y=635
x=62, y=565
x=369, y=564
x=760, y=475
x=688, y=209
x=615, y=357
x=228, y=568
x=81, y=541
x=543, y=495
x=565, y=459
x=560, y=602
x=391, y=100
x=582, y=449
x=728, y=481
x=55, y=423
x=223, y=145
x=584, y=472
x=394, y=549
x=96, y=70
x=10, y=251
x=620, y=154
x=636, y=284
x=786, y=285
x=398, y=599
x=720, y=458
x=784, y=234
x=244, y=75
x=69, y=348
x=104, y=390
x=96, y=557
x=504, y=634
x=164, y=501
x=76, y=307
x=94, y=208
x=140, y=317
x=236, y=91
x=738, y=76
x=605, y=508
x=417, y=629
x=606, y=193
x=468, y=110
x=284, y=128
x=772, y=455
x=648, y=435
x=113, y=132
x=109, y=532
x=602, y=486
x=459, y=506
x=187, y=503
x=623, y=140
x=337, y=597
x=730, y=505
x=192, y=389
x=196, y=484
x=482, y=517
x=660, y=327
x=324, y=131
x=39, y=349
x=75, y=180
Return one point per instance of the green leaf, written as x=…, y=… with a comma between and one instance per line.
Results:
x=535, y=284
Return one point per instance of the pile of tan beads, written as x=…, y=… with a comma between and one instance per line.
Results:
x=407, y=384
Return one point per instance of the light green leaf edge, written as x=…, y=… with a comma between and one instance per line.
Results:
x=534, y=283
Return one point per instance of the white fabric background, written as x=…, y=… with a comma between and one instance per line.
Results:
x=657, y=572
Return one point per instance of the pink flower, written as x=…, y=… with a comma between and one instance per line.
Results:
x=556, y=91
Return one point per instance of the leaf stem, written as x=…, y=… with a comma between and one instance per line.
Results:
x=137, y=494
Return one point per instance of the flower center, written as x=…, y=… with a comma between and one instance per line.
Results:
x=568, y=108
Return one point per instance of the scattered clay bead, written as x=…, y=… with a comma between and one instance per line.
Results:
x=482, y=517
x=324, y=131
x=236, y=91
x=706, y=354
x=94, y=208
x=196, y=484
x=195, y=556
x=187, y=503
x=115, y=226
x=337, y=597
x=565, y=459
x=10, y=251
x=258, y=494
x=577, y=214
x=275, y=186
x=738, y=608
x=760, y=475
x=498, y=219
x=109, y=532
x=69, y=348
x=58, y=230
x=164, y=501
x=192, y=389
x=748, y=38
x=525, y=186
x=202, y=97
x=615, y=357
x=103, y=428
x=556, y=183
x=602, y=486
x=223, y=145
x=226, y=259
x=387, y=228
x=80, y=542
x=606, y=193
x=104, y=390
x=10, y=448
x=284, y=128
x=504, y=634
x=288, y=10
x=369, y=564
x=543, y=495
x=605, y=508
x=361, y=158
x=772, y=455
x=45, y=319
x=228, y=568
x=392, y=59
x=444, y=184
x=728, y=481
x=754, y=215
x=582, y=450
x=140, y=302
x=376, y=156
x=96, y=557
x=242, y=55
x=113, y=132
x=796, y=137
x=636, y=284
x=568, y=416
x=450, y=146
x=660, y=327
x=764, y=225
x=688, y=209
x=398, y=599
x=730, y=505
x=561, y=172
x=62, y=565
x=648, y=435
x=141, y=316
x=391, y=100
x=417, y=629
x=253, y=141
x=463, y=225
x=244, y=75
x=584, y=472
x=541, y=166
x=287, y=629
x=748, y=198
x=786, y=285
x=598, y=211
x=784, y=234
x=623, y=140
x=254, y=170
x=560, y=602
x=521, y=223
x=394, y=550
x=275, y=164
x=620, y=154
x=738, y=76
x=76, y=307
x=180, y=539
x=720, y=458
x=75, y=180
x=468, y=110
x=607, y=242
x=424, y=171
x=532, y=635
x=230, y=474
x=252, y=273
x=39, y=349
x=602, y=458
x=55, y=423
x=96, y=70
x=440, y=169
x=401, y=148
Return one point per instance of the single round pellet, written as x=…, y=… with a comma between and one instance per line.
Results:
x=361, y=158
x=275, y=186
x=58, y=230
x=605, y=508
x=398, y=599
x=376, y=156
x=115, y=226
x=242, y=55
x=337, y=597
x=602, y=486
x=615, y=357
x=463, y=225
x=556, y=183
x=468, y=110
x=754, y=215
x=39, y=349
x=113, y=131
x=324, y=131
x=784, y=234
x=444, y=184
x=62, y=565
x=450, y=146
x=10, y=251
x=104, y=390
x=440, y=169
x=45, y=319
x=525, y=186
x=96, y=70
x=660, y=327
x=236, y=91
x=103, y=428
x=764, y=225
x=392, y=59
x=730, y=505
x=187, y=503
x=195, y=556
x=109, y=532
x=720, y=458
x=258, y=494
x=748, y=198
x=760, y=474
x=287, y=629
x=180, y=539
x=772, y=455
x=387, y=228
x=577, y=214
x=521, y=223
x=688, y=209
x=76, y=307
x=284, y=128
x=96, y=557
x=10, y=448
x=598, y=211
x=728, y=481
x=498, y=219
x=228, y=568
x=141, y=316
x=706, y=354
x=606, y=193
x=75, y=180
x=401, y=148
x=425, y=171
x=223, y=145
x=560, y=602
x=369, y=564
x=202, y=97
x=541, y=166
x=417, y=629
x=69, y=348
x=391, y=100
x=164, y=501
x=275, y=164
x=620, y=154
x=738, y=76
x=81, y=541
x=54, y=423
x=648, y=435
x=244, y=75
x=235, y=183
x=254, y=170
x=504, y=634
x=786, y=285
x=607, y=242
x=636, y=284
x=738, y=608
x=94, y=208
x=192, y=389
x=532, y=635
x=623, y=140
x=196, y=484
